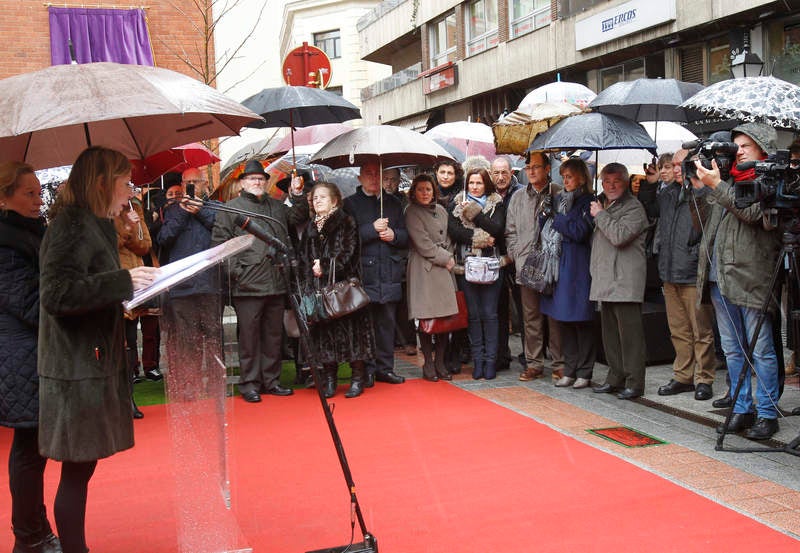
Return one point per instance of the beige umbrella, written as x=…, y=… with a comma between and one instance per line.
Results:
x=48, y=117
x=515, y=132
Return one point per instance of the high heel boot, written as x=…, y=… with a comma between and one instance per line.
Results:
x=439, y=361
x=356, y=380
x=426, y=345
x=329, y=384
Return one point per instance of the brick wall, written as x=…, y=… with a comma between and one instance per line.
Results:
x=174, y=30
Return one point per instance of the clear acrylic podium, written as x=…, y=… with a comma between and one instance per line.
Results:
x=198, y=411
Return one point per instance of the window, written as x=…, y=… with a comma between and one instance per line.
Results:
x=527, y=15
x=443, y=40
x=482, y=26
x=628, y=71
x=329, y=42
x=719, y=60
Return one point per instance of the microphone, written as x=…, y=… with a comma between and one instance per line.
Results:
x=248, y=225
x=691, y=145
x=746, y=166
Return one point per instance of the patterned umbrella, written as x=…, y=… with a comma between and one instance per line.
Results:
x=760, y=99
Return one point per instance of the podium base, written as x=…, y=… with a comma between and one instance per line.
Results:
x=369, y=545
x=359, y=547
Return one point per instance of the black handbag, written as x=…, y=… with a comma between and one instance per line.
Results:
x=532, y=274
x=343, y=297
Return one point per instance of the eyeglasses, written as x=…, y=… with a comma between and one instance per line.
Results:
x=534, y=167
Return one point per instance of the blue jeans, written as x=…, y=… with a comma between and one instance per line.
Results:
x=736, y=327
x=484, y=326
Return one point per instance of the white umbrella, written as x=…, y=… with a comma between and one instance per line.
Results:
x=468, y=138
x=558, y=92
x=670, y=138
x=48, y=117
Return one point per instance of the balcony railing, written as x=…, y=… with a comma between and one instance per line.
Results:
x=393, y=81
x=377, y=12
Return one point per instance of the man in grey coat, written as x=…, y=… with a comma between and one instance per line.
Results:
x=522, y=236
x=618, y=267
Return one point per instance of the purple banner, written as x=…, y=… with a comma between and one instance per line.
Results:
x=120, y=36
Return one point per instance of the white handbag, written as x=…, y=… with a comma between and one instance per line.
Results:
x=481, y=270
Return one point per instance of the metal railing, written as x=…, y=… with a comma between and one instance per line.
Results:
x=377, y=12
x=391, y=82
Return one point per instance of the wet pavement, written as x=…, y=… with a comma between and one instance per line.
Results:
x=763, y=485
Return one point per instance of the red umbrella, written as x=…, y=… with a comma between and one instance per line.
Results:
x=176, y=159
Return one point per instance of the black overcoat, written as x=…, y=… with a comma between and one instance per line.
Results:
x=349, y=338
x=85, y=410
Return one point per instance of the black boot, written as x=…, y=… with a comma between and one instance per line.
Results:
x=49, y=544
x=356, y=380
x=426, y=345
x=329, y=383
x=439, y=358
x=724, y=401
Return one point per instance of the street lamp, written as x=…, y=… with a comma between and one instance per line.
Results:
x=746, y=64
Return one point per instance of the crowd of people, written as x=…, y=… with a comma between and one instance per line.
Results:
x=557, y=253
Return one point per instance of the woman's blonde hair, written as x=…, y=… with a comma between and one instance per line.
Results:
x=91, y=182
x=577, y=166
x=10, y=172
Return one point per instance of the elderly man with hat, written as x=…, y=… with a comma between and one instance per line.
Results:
x=737, y=254
x=256, y=285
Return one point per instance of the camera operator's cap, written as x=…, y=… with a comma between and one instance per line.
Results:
x=765, y=136
x=254, y=167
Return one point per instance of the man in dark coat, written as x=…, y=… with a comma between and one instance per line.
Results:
x=257, y=286
x=383, y=236
x=193, y=313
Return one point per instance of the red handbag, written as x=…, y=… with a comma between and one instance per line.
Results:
x=451, y=323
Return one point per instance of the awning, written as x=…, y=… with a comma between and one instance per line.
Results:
x=414, y=123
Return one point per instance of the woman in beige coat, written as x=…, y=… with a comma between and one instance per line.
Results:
x=431, y=286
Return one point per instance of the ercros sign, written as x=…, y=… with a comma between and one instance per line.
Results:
x=622, y=20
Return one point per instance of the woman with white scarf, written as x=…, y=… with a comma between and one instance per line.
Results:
x=476, y=225
x=566, y=240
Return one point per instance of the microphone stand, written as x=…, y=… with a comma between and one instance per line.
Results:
x=216, y=206
x=287, y=265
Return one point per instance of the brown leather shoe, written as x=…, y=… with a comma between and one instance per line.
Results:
x=558, y=374
x=531, y=373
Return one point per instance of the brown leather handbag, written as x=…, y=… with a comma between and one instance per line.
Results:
x=451, y=323
x=343, y=297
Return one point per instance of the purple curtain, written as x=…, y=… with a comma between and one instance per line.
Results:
x=99, y=35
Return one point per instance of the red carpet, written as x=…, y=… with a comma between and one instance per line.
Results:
x=437, y=469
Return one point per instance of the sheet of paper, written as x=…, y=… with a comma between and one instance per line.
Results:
x=178, y=271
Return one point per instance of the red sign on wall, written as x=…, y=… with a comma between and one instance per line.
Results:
x=439, y=77
x=307, y=66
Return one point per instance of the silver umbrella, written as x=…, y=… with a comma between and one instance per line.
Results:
x=48, y=117
x=760, y=99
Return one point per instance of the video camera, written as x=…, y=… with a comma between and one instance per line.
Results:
x=723, y=152
x=776, y=185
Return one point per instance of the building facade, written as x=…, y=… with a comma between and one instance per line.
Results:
x=453, y=60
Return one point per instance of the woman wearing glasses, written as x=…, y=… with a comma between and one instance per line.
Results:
x=84, y=385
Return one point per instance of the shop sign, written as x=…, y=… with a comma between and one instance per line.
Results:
x=438, y=78
x=622, y=20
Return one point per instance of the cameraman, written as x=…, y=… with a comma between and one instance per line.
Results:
x=737, y=254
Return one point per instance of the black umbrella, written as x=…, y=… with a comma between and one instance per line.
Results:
x=594, y=131
x=648, y=100
x=299, y=106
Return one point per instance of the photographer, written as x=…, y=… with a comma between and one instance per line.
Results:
x=737, y=254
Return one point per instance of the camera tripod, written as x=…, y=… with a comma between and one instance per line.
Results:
x=790, y=245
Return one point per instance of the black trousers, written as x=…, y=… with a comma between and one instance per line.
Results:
x=383, y=323
x=260, y=320
x=578, y=348
x=26, y=481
